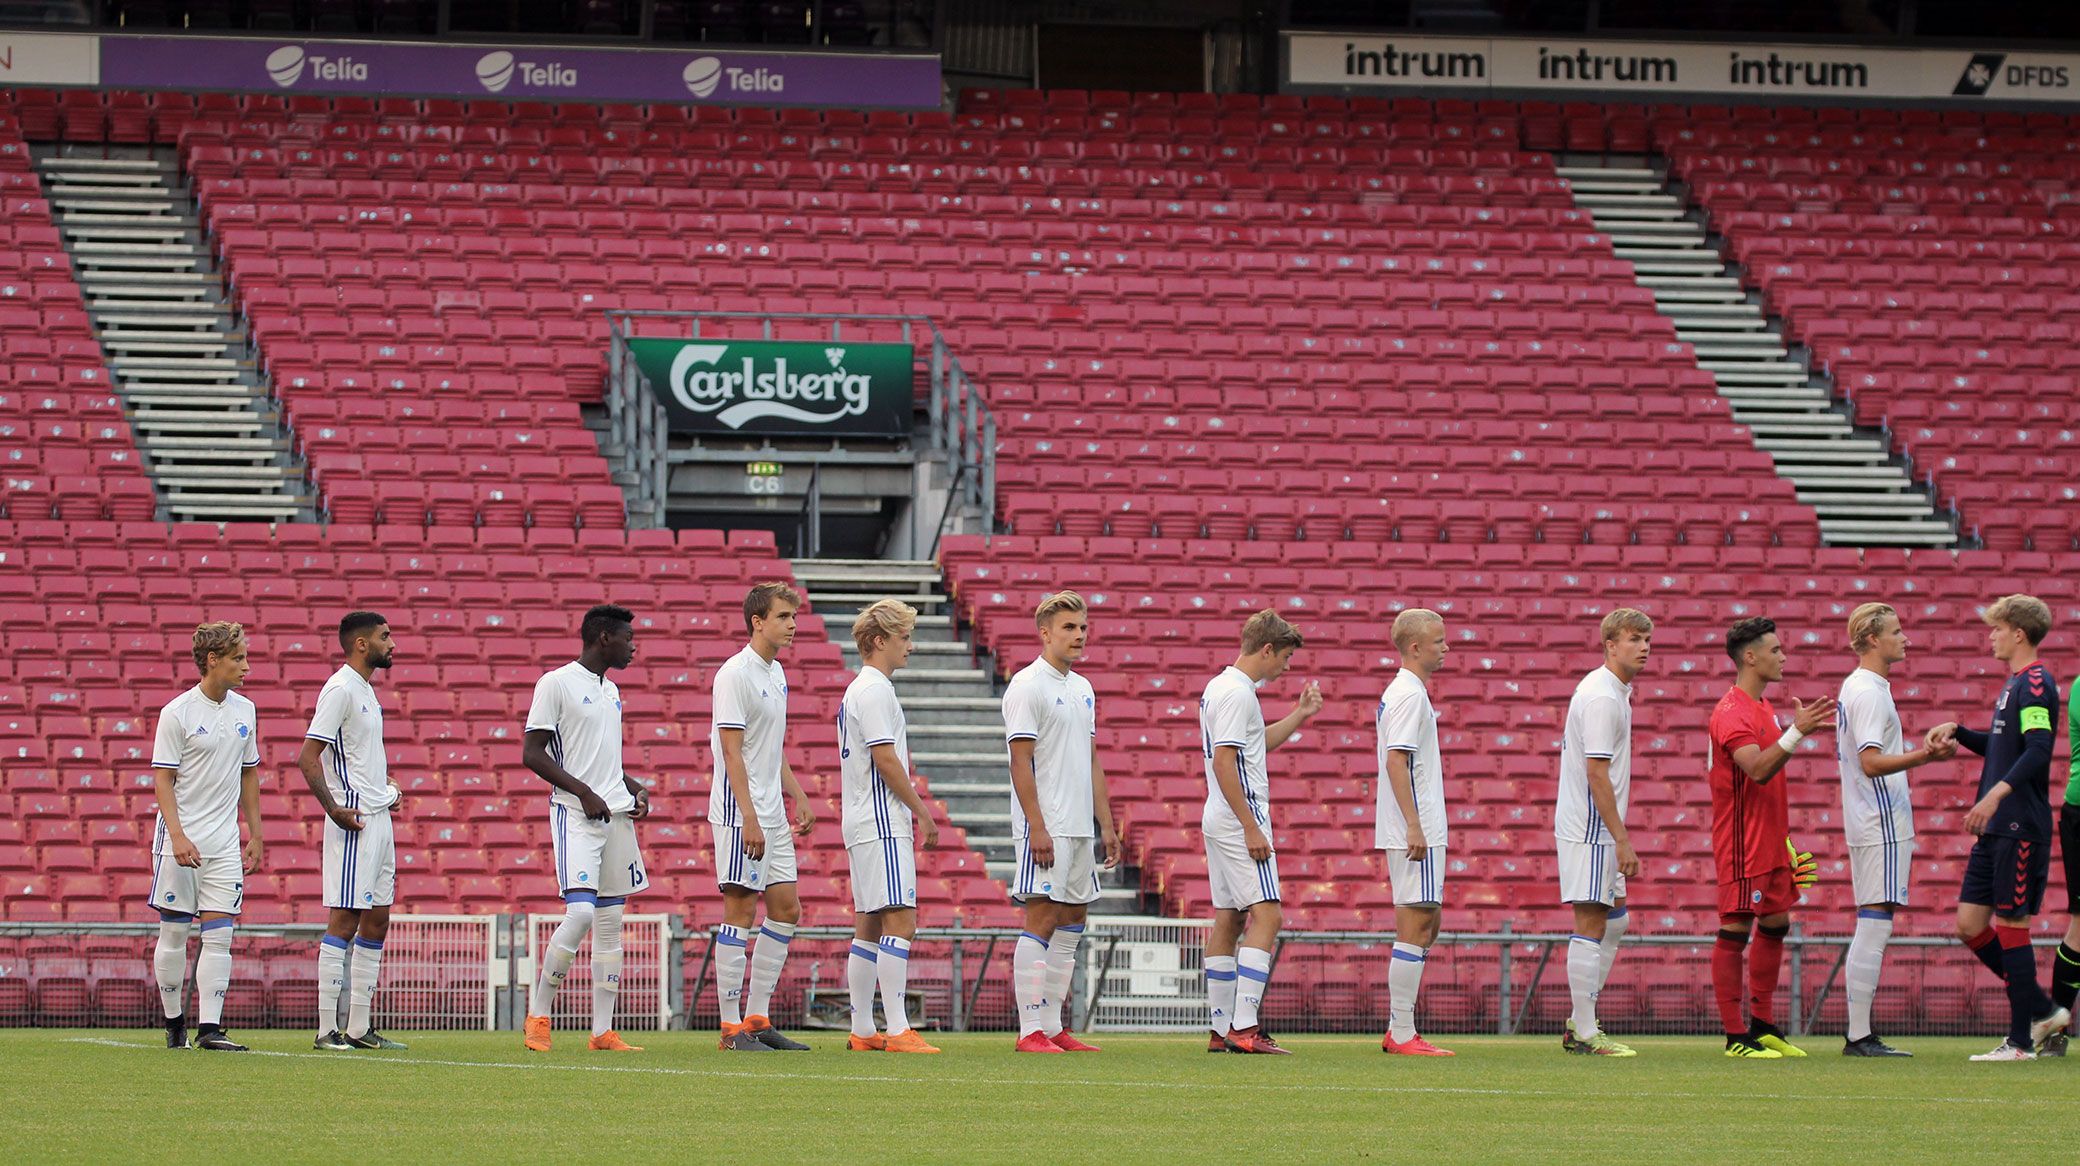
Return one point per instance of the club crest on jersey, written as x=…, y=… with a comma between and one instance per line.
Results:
x=1755, y=896
x=169, y=896
x=244, y=732
x=584, y=876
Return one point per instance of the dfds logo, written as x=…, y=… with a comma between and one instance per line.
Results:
x=286, y=66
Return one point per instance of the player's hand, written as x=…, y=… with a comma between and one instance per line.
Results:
x=1109, y=847
x=1811, y=718
x=1942, y=750
x=1040, y=844
x=753, y=839
x=345, y=819
x=594, y=806
x=642, y=809
x=1259, y=846
x=396, y=797
x=804, y=817
x=184, y=851
x=1418, y=845
x=1943, y=734
x=929, y=839
x=1310, y=699
x=1804, y=871
x=1628, y=860
x=254, y=850
x=1981, y=813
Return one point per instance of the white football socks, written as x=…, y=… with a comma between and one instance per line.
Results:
x=332, y=981
x=1584, y=981
x=1866, y=960
x=768, y=956
x=606, y=967
x=729, y=973
x=213, y=970
x=893, y=969
x=1029, y=981
x=1404, y=981
x=1252, y=977
x=1220, y=993
x=1614, y=925
x=170, y=966
x=361, y=986
x=1060, y=975
x=862, y=970
x=561, y=953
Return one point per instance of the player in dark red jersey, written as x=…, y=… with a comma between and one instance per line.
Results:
x=2004, y=877
x=1758, y=882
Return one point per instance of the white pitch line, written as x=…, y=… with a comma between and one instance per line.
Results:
x=1072, y=1082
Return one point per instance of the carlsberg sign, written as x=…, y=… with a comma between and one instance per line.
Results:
x=773, y=387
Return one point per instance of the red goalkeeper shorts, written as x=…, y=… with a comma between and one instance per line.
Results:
x=1765, y=894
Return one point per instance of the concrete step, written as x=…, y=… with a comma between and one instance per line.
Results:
x=231, y=476
x=1867, y=475
x=73, y=200
x=90, y=165
x=137, y=230
x=1792, y=450
x=1627, y=173
x=1587, y=189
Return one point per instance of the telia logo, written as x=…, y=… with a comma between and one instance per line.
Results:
x=285, y=65
x=496, y=70
x=751, y=391
x=702, y=76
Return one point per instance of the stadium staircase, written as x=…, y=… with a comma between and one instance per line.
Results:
x=1861, y=492
x=195, y=401
x=954, y=708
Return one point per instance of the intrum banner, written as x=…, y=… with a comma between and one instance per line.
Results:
x=692, y=75
x=778, y=387
x=1396, y=63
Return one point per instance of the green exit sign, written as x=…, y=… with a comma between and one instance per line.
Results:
x=763, y=469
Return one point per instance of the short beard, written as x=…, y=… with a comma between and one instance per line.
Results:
x=379, y=661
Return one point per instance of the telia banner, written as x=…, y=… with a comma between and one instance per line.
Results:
x=777, y=387
x=530, y=72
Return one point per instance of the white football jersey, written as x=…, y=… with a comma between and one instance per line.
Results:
x=871, y=715
x=582, y=712
x=1874, y=809
x=1407, y=723
x=1599, y=725
x=208, y=744
x=1057, y=711
x=349, y=720
x=1230, y=714
x=751, y=695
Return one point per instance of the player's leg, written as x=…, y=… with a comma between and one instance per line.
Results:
x=1878, y=877
x=170, y=970
x=732, y=954
x=863, y=967
x=1253, y=967
x=621, y=875
x=1072, y=886
x=769, y=950
x=1589, y=885
x=1975, y=908
x=1729, y=968
x=1029, y=964
x=892, y=966
x=1418, y=887
x=2065, y=963
x=219, y=891
x=335, y=949
x=1219, y=963
x=1585, y=965
x=376, y=879
x=1766, y=962
x=578, y=846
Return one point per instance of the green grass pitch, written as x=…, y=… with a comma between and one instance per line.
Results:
x=112, y=1096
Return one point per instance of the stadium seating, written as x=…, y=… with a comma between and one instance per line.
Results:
x=1332, y=357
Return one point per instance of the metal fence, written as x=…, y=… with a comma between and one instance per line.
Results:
x=473, y=972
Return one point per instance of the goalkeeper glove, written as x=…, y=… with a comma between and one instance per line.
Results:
x=1804, y=871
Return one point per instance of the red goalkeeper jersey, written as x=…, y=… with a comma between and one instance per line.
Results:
x=1749, y=821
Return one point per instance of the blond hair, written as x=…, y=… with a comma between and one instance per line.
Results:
x=758, y=602
x=2025, y=613
x=1865, y=623
x=1267, y=630
x=885, y=617
x=1414, y=622
x=1056, y=604
x=1625, y=619
x=221, y=638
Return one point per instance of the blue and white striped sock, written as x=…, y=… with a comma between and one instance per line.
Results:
x=1584, y=981
x=1029, y=982
x=729, y=972
x=893, y=970
x=1404, y=981
x=1060, y=976
x=361, y=987
x=1220, y=993
x=1252, y=977
x=861, y=972
x=768, y=956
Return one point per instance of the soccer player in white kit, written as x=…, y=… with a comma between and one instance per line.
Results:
x=1596, y=854
x=1410, y=823
x=205, y=771
x=1058, y=799
x=754, y=854
x=880, y=803
x=1877, y=810
x=347, y=770
x=573, y=742
x=1237, y=825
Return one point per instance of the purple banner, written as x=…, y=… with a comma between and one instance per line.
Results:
x=521, y=72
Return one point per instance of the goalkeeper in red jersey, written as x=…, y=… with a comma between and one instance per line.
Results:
x=1760, y=873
